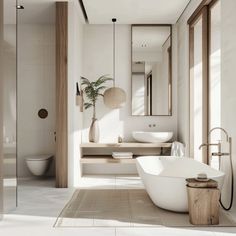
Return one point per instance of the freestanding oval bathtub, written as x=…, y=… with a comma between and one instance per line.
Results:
x=164, y=179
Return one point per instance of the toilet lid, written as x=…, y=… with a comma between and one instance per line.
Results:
x=38, y=157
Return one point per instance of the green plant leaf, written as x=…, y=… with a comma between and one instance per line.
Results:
x=87, y=105
x=102, y=80
x=93, y=89
x=101, y=88
x=84, y=81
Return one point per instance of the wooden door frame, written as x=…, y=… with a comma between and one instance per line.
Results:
x=61, y=95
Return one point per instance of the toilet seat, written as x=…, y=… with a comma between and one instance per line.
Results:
x=38, y=157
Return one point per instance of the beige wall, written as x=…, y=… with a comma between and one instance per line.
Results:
x=228, y=78
x=37, y=80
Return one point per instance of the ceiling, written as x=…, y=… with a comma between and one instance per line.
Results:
x=134, y=11
x=39, y=12
x=102, y=11
x=34, y=12
x=8, y=12
x=149, y=39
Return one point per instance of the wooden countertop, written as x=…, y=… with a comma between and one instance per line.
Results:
x=126, y=145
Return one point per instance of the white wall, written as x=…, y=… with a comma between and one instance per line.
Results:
x=228, y=82
x=163, y=83
x=36, y=90
x=147, y=56
x=157, y=84
x=139, y=104
x=97, y=59
x=183, y=74
x=75, y=48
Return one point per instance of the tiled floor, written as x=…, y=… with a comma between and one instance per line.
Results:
x=40, y=203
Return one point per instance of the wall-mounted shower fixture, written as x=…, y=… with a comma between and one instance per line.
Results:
x=219, y=153
x=20, y=7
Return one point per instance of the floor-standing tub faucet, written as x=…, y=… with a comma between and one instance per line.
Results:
x=219, y=153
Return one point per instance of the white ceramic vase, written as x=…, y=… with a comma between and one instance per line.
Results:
x=94, y=131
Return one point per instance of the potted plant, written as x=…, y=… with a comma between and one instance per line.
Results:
x=93, y=91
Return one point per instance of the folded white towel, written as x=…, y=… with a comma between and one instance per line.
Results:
x=120, y=155
x=177, y=149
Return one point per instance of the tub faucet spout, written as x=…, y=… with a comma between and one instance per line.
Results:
x=202, y=145
x=209, y=144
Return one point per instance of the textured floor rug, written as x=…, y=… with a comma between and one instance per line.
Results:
x=122, y=208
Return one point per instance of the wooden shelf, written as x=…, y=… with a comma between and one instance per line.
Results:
x=100, y=153
x=104, y=160
x=125, y=145
x=99, y=159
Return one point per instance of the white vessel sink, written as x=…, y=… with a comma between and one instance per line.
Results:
x=152, y=137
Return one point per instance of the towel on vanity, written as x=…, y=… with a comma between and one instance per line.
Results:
x=177, y=149
x=121, y=155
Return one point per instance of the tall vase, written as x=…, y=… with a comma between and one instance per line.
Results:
x=94, y=131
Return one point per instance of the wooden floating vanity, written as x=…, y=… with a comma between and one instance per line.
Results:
x=100, y=153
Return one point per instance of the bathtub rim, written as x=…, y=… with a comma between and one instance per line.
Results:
x=221, y=174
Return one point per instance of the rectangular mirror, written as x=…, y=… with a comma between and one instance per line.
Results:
x=151, y=70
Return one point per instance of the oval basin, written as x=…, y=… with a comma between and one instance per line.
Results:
x=152, y=137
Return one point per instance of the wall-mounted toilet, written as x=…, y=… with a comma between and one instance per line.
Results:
x=38, y=164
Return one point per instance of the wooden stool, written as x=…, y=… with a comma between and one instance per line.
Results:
x=203, y=202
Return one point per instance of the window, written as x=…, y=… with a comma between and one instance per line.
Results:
x=204, y=49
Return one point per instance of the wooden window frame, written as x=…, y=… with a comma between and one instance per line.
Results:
x=204, y=11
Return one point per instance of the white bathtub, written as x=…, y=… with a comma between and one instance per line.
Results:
x=164, y=179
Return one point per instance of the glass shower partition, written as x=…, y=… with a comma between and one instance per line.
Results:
x=8, y=107
x=1, y=110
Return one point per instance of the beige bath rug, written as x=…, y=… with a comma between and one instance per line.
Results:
x=122, y=208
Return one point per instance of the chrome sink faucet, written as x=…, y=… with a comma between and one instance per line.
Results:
x=219, y=153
